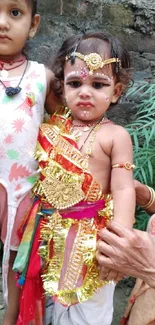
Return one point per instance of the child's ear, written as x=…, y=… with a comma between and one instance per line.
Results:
x=34, y=25
x=117, y=92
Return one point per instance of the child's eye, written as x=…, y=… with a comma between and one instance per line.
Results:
x=98, y=85
x=15, y=13
x=74, y=84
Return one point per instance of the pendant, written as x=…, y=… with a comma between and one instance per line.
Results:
x=4, y=73
x=76, y=135
x=86, y=128
x=11, y=91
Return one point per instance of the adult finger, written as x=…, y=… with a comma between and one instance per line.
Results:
x=118, y=229
x=108, y=236
x=106, y=261
x=117, y=235
x=107, y=249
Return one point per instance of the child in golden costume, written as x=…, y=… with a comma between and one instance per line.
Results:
x=84, y=161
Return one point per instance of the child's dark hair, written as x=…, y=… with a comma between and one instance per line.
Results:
x=33, y=5
x=90, y=43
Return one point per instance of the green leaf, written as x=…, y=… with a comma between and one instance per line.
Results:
x=7, y=99
x=13, y=154
x=32, y=179
x=142, y=219
x=40, y=87
x=150, y=169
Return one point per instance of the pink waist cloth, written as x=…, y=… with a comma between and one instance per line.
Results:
x=83, y=210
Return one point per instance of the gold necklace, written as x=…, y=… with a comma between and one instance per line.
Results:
x=92, y=133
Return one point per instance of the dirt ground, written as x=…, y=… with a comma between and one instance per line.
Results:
x=122, y=293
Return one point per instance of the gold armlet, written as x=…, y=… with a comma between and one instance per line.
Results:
x=127, y=165
x=151, y=200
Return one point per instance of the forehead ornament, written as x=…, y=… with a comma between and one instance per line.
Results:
x=93, y=60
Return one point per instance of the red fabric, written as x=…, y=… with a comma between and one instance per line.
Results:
x=32, y=301
x=132, y=299
x=124, y=321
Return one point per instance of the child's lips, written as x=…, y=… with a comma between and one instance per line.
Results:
x=4, y=37
x=85, y=104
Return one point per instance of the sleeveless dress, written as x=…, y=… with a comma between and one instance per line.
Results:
x=21, y=116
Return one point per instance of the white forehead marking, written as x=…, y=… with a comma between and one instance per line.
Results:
x=72, y=73
x=84, y=73
x=102, y=75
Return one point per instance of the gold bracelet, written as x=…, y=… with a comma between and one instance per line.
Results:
x=151, y=200
x=127, y=165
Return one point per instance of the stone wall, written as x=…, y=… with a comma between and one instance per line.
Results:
x=133, y=21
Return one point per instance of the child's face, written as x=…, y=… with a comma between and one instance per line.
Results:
x=16, y=26
x=89, y=95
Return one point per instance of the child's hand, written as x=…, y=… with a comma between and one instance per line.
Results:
x=111, y=275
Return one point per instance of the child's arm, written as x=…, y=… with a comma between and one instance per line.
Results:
x=122, y=188
x=122, y=184
x=53, y=96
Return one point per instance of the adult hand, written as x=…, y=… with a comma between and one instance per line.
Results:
x=131, y=252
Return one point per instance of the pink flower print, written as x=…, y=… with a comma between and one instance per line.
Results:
x=28, y=103
x=18, y=171
x=34, y=75
x=28, y=147
x=28, y=87
x=7, y=84
x=8, y=139
x=2, y=153
x=18, y=125
x=18, y=187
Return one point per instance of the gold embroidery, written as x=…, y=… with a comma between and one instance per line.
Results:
x=56, y=230
x=63, y=147
x=81, y=254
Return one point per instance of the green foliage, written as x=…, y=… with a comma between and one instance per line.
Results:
x=142, y=219
x=142, y=131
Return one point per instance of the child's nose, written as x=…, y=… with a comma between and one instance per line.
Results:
x=85, y=92
x=4, y=24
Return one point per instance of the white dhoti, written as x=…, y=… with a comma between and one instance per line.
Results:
x=96, y=311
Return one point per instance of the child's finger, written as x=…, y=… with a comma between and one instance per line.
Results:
x=111, y=275
x=104, y=272
x=119, y=277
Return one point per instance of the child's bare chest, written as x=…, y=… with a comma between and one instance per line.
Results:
x=99, y=163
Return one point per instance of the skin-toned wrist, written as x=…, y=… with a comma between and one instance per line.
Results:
x=143, y=197
x=151, y=209
x=142, y=193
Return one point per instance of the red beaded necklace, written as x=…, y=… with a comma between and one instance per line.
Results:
x=85, y=127
x=4, y=70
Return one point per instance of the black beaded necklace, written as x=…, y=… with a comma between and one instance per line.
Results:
x=12, y=91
